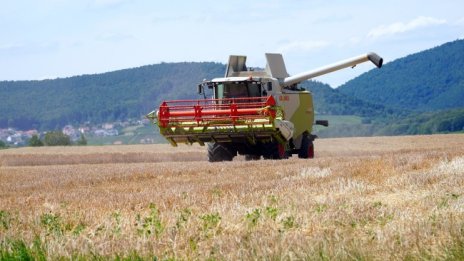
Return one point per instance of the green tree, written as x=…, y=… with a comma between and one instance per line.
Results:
x=3, y=145
x=56, y=138
x=35, y=141
x=82, y=140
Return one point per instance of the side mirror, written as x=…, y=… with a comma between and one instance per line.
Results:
x=200, y=88
x=323, y=123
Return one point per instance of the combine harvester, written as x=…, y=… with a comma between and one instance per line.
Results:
x=252, y=113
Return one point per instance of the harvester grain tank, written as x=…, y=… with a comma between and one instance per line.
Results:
x=252, y=113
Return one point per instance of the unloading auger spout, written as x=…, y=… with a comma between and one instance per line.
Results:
x=373, y=57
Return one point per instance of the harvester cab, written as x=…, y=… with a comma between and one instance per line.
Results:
x=252, y=112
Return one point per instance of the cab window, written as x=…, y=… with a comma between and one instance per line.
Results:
x=241, y=89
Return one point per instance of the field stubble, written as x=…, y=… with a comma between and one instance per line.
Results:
x=373, y=198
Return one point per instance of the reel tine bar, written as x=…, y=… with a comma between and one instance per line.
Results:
x=216, y=112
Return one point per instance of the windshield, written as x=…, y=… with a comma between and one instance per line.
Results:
x=238, y=89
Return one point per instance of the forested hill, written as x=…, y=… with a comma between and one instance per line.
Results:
x=329, y=101
x=130, y=93
x=428, y=81
x=424, y=81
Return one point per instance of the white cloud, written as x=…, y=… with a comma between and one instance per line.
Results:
x=303, y=46
x=399, y=27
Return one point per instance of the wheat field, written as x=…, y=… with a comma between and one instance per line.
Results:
x=361, y=198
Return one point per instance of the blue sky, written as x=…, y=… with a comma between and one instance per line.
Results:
x=59, y=38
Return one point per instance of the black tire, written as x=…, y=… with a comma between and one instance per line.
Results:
x=307, y=148
x=218, y=152
x=274, y=150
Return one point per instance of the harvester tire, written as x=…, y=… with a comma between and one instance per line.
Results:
x=307, y=148
x=274, y=150
x=218, y=152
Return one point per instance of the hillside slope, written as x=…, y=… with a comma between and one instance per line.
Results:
x=425, y=81
x=329, y=101
x=103, y=97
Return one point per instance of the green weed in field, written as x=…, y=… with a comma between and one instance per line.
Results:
x=117, y=220
x=211, y=223
x=183, y=218
x=272, y=212
x=151, y=224
x=210, y=220
x=5, y=219
x=289, y=222
x=19, y=250
x=320, y=208
x=377, y=204
x=79, y=229
x=52, y=223
x=253, y=217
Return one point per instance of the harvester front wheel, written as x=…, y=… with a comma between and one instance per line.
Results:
x=274, y=150
x=218, y=152
x=307, y=148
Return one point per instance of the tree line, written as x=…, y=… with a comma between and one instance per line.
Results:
x=55, y=138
